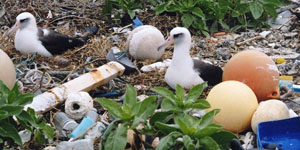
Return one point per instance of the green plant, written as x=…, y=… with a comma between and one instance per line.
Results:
x=172, y=123
x=128, y=6
x=129, y=116
x=189, y=10
x=221, y=14
x=12, y=105
x=178, y=123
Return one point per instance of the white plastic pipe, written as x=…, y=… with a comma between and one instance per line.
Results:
x=86, y=82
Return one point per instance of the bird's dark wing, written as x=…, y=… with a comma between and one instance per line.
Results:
x=57, y=43
x=210, y=73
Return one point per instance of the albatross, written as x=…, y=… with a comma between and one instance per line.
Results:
x=31, y=39
x=184, y=70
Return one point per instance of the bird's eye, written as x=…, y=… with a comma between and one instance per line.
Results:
x=178, y=35
x=23, y=20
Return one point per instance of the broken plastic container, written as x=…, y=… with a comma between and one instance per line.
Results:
x=284, y=134
x=64, y=124
x=82, y=144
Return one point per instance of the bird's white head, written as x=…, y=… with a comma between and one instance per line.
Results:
x=23, y=20
x=178, y=36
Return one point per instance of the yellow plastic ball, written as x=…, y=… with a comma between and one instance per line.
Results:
x=237, y=103
x=8, y=73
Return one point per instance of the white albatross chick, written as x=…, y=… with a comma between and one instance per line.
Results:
x=181, y=69
x=184, y=70
x=31, y=39
x=143, y=42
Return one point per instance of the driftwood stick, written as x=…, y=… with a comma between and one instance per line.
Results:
x=249, y=40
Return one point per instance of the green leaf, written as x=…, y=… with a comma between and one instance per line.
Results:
x=114, y=108
x=107, y=7
x=166, y=128
x=111, y=127
x=235, y=13
x=14, y=92
x=4, y=92
x=3, y=114
x=242, y=8
x=173, y=8
x=195, y=92
x=275, y=3
x=209, y=130
x=47, y=130
x=168, y=105
x=145, y=109
x=209, y=143
x=168, y=141
x=23, y=99
x=188, y=142
x=270, y=10
x=205, y=33
x=223, y=138
x=117, y=139
x=161, y=8
x=207, y=119
x=185, y=125
x=39, y=138
x=187, y=20
x=179, y=93
x=131, y=13
x=200, y=104
x=165, y=93
x=130, y=98
x=221, y=11
x=12, y=110
x=235, y=28
x=163, y=117
x=26, y=117
x=8, y=130
x=198, y=12
x=256, y=9
x=224, y=25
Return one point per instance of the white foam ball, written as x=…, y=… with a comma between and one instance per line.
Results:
x=78, y=104
x=143, y=43
x=269, y=110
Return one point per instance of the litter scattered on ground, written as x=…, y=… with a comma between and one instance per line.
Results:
x=52, y=79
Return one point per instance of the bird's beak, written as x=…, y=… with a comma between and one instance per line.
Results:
x=14, y=28
x=166, y=44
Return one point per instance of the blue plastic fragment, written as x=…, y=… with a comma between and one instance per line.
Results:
x=83, y=126
x=89, y=120
x=283, y=133
x=109, y=94
x=295, y=88
x=137, y=23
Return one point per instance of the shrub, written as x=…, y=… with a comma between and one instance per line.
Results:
x=171, y=124
x=13, y=116
x=214, y=15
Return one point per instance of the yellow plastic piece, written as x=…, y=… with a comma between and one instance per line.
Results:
x=288, y=78
x=280, y=60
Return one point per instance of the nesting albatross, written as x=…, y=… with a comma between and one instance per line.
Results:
x=184, y=70
x=31, y=39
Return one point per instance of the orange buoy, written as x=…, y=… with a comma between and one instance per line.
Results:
x=255, y=69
